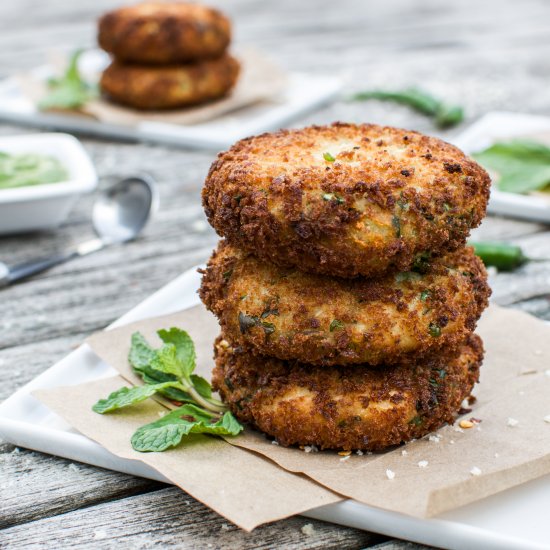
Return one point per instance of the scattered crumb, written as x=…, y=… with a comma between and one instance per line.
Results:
x=344, y=458
x=312, y=449
x=496, y=455
x=344, y=453
x=274, y=442
x=452, y=442
x=100, y=534
x=74, y=467
x=359, y=452
x=512, y=422
x=472, y=399
x=308, y=530
x=423, y=464
x=225, y=527
x=475, y=420
x=404, y=453
x=458, y=429
x=528, y=371
x=475, y=471
x=466, y=424
x=390, y=474
x=434, y=438
x=547, y=418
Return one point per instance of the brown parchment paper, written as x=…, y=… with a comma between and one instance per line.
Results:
x=260, y=80
x=514, y=384
x=237, y=484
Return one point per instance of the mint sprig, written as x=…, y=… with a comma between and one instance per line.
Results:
x=168, y=371
x=70, y=91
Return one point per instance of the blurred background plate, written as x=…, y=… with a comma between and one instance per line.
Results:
x=503, y=126
x=301, y=94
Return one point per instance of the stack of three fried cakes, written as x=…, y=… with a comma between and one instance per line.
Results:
x=167, y=55
x=346, y=296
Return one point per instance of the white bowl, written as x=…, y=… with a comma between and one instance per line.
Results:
x=46, y=205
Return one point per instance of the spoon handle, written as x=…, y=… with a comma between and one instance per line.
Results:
x=15, y=273
x=22, y=271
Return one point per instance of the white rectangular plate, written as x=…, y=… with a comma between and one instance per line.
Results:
x=500, y=126
x=514, y=519
x=303, y=93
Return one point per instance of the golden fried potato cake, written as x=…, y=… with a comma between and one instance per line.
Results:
x=163, y=34
x=345, y=199
x=288, y=314
x=353, y=407
x=149, y=87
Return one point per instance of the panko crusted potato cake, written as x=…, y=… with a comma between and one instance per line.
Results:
x=345, y=200
x=320, y=320
x=168, y=87
x=353, y=407
x=164, y=33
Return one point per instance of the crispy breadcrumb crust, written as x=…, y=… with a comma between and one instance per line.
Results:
x=288, y=314
x=353, y=407
x=345, y=199
x=150, y=87
x=161, y=34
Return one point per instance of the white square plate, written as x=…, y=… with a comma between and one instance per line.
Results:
x=303, y=93
x=517, y=518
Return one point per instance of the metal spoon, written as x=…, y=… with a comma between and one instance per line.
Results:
x=119, y=214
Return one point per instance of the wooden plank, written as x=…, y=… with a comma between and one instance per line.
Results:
x=35, y=486
x=168, y=517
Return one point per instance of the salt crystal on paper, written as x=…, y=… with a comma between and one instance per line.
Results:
x=475, y=471
x=434, y=438
x=359, y=452
x=404, y=453
x=423, y=464
x=274, y=442
x=390, y=474
x=512, y=422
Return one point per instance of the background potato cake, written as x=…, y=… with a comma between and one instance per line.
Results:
x=345, y=199
x=150, y=87
x=321, y=320
x=164, y=33
x=350, y=407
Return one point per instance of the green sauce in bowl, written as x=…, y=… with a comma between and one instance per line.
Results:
x=30, y=169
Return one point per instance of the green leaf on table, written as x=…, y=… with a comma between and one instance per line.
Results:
x=168, y=431
x=444, y=114
x=69, y=91
x=125, y=397
x=166, y=360
x=521, y=165
x=185, y=348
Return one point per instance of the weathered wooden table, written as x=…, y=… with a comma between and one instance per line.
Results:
x=486, y=55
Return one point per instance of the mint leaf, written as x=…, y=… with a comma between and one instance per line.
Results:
x=141, y=353
x=69, y=91
x=521, y=165
x=127, y=396
x=201, y=385
x=168, y=431
x=185, y=348
x=166, y=360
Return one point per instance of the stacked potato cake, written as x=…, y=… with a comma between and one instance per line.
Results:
x=345, y=293
x=166, y=55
